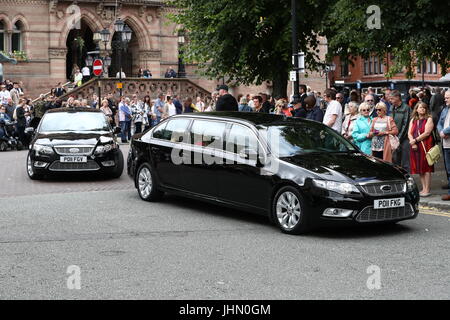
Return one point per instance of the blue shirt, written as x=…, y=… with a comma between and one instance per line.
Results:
x=124, y=112
x=315, y=114
x=158, y=103
x=4, y=116
x=178, y=106
x=245, y=108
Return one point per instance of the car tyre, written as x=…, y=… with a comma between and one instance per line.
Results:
x=3, y=146
x=30, y=170
x=146, y=184
x=118, y=170
x=289, y=211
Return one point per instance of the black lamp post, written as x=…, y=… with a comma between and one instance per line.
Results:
x=424, y=67
x=104, y=37
x=181, y=67
x=125, y=34
x=89, y=60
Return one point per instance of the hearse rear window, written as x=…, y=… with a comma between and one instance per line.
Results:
x=174, y=131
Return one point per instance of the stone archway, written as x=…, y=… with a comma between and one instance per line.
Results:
x=78, y=43
x=130, y=55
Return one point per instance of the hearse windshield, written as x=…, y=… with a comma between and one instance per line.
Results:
x=74, y=122
x=288, y=140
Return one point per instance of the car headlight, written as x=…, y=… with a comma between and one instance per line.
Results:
x=104, y=148
x=43, y=150
x=410, y=184
x=339, y=187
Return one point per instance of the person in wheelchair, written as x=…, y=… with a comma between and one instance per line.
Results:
x=3, y=119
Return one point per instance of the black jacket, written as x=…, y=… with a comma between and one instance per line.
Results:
x=299, y=113
x=178, y=106
x=20, y=113
x=227, y=103
x=59, y=92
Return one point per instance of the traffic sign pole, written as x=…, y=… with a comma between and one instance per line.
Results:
x=97, y=69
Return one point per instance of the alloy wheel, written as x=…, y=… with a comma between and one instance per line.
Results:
x=30, y=166
x=288, y=210
x=145, y=182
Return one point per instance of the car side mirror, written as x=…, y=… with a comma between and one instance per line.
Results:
x=29, y=130
x=252, y=154
x=117, y=130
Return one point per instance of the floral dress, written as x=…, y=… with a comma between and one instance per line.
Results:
x=378, y=141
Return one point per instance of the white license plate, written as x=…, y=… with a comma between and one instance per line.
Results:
x=73, y=159
x=389, y=203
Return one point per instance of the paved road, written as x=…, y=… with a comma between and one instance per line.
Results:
x=126, y=248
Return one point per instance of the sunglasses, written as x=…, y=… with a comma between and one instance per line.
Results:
x=379, y=109
x=369, y=100
x=364, y=110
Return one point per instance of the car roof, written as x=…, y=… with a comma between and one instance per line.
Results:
x=254, y=118
x=75, y=109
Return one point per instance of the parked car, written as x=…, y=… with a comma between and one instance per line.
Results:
x=298, y=172
x=74, y=140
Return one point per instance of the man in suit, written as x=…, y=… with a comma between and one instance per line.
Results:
x=59, y=90
x=437, y=103
x=303, y=94
x=226, y=101
x=15, y=93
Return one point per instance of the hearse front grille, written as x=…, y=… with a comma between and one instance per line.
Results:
x=369, y=214
x=77, y=166
x=72, y=150
x=387, y=188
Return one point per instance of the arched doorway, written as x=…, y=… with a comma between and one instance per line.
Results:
x=129, y=55
x=79, y=42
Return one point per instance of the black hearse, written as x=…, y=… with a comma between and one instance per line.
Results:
x=74, y=140
x=298, y=172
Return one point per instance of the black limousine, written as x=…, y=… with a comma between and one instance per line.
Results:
x=298, y=172
x=74, y=140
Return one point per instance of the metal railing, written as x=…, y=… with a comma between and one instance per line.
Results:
x=47, y=94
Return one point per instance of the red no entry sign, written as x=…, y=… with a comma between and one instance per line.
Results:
x=97, y=67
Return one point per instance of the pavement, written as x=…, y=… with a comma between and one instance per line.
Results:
x=16, y=176
x=126, y=248
x=438, y=179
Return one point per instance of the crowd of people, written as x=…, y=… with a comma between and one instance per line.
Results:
x=14, y=107
x=388, y=126
x=396, y=129
x=82, y=75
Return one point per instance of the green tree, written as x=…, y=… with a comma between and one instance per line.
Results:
x=249, y=41
x=409, y=29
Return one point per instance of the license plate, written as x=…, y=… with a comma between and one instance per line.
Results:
x=73, y=159
x=389, y=203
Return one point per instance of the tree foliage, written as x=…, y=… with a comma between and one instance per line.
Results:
x=411, y=30
x=248, y=41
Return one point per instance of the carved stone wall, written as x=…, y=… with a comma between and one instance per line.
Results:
x=141, y=87
x=47, y=27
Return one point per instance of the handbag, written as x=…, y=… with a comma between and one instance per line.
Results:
x=434, y=154
x=393, y=140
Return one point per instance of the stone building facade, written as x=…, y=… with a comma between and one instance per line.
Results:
x=48, y=37
x=56, y=34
